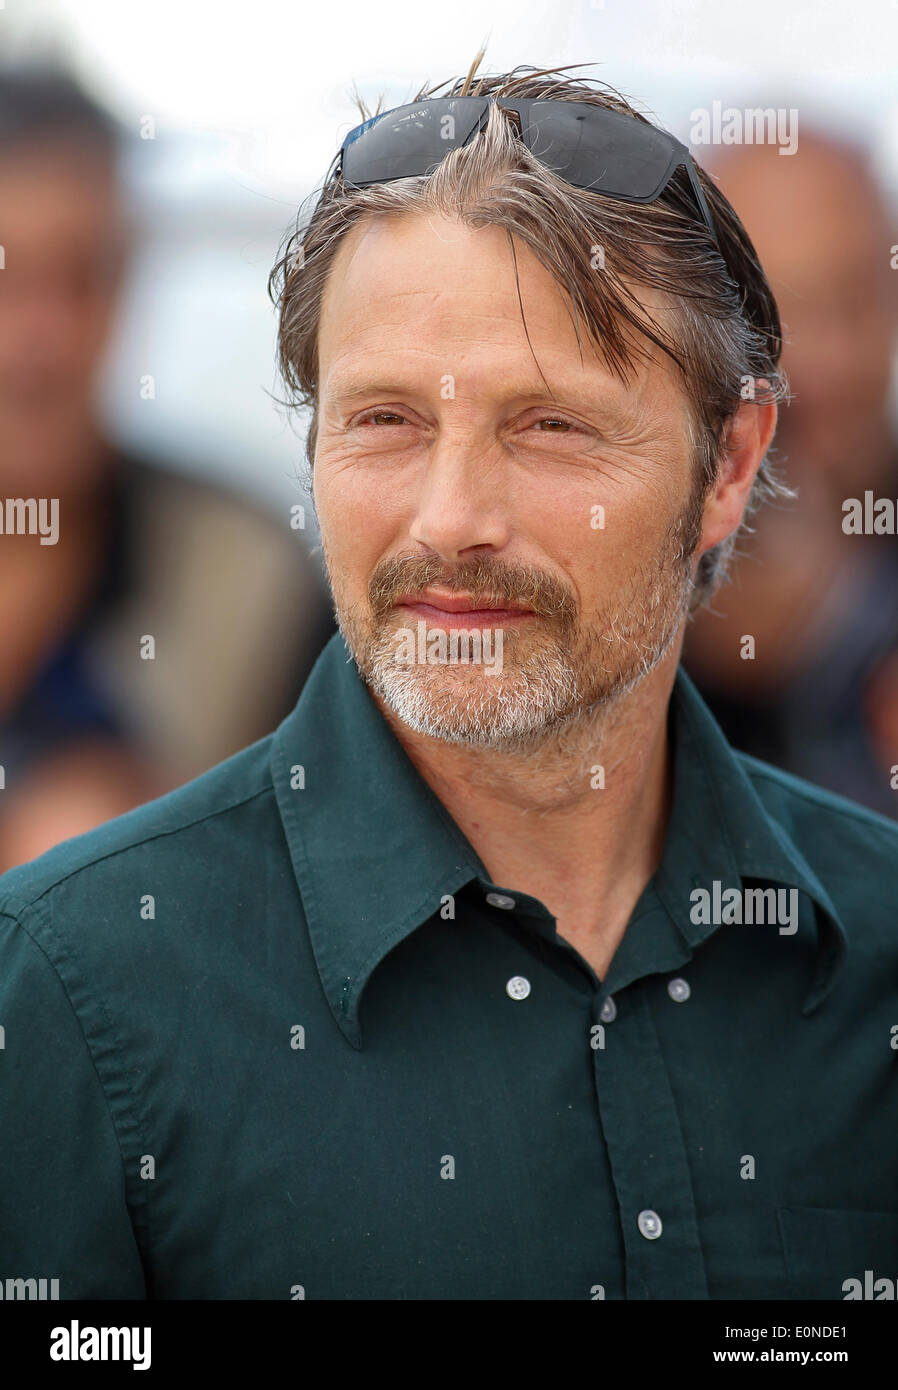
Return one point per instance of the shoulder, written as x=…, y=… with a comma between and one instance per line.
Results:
x=174, y=839
x=162, y=502
x=852, y=850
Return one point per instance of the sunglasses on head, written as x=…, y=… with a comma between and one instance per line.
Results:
x=589, y=146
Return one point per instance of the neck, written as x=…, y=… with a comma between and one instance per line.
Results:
x=542, y=823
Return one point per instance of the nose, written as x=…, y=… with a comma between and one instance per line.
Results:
x=463, y=501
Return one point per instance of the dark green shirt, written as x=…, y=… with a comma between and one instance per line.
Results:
x=278, y=1035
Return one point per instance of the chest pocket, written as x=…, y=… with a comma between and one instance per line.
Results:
x=825, y=1246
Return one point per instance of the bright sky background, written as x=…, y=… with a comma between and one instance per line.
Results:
x=281, y=72
x=250, y=102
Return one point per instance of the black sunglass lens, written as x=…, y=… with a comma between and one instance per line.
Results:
x=410, y=140
x=605, y=150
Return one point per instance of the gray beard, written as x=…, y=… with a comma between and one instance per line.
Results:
x=552, y=689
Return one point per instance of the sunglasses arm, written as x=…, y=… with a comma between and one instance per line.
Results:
x=702, y=201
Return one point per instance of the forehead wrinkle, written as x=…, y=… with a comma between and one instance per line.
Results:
x=450, y=313
x=417, y=370
x=382, y=309
x=395, y=262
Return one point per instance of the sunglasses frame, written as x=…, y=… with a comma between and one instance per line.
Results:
x=520, y=110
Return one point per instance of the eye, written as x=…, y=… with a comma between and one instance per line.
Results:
x=558, y=425
x=553, y=421
x=376, y=418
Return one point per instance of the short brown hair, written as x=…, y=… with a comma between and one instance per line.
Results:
x=726, y=333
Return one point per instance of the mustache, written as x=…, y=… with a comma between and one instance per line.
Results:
x=514, y=585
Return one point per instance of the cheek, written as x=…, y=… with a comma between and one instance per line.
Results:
x=357, y=518
x=346, y=487
x=621, y=539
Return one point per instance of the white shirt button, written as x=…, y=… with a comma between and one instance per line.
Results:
x=517, y=987
x=608, y=1012
x=500, y=900
x=679, y=991
x=649, y=1223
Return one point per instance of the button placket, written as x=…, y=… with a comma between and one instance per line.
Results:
x=646, y=1147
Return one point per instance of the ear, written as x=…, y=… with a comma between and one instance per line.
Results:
x=747, y=438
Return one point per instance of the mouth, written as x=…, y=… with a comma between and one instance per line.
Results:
x=461, y=610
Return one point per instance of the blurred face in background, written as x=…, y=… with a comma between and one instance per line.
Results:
x=824, y=240
x=64, y=245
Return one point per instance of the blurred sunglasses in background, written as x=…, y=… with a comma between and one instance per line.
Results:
x=592, y=147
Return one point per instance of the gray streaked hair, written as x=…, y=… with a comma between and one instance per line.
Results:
x=723, y=330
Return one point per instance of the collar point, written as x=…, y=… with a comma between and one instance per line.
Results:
x=352, y=1032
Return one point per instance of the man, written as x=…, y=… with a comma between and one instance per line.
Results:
x=819, y=694
x=489, y=978
x=89, y=727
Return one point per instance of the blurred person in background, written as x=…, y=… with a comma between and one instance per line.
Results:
x=88, y=728
x=820, y=696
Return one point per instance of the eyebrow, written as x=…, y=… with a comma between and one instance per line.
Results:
x=353, y=389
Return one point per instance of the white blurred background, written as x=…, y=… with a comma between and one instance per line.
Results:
x=249, y=104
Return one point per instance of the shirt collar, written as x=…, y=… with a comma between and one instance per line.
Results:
x=342, y=778
x=719, y=829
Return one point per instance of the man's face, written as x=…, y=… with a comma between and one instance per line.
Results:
x=824, y=245
x=64, y=242
x=445, y=470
